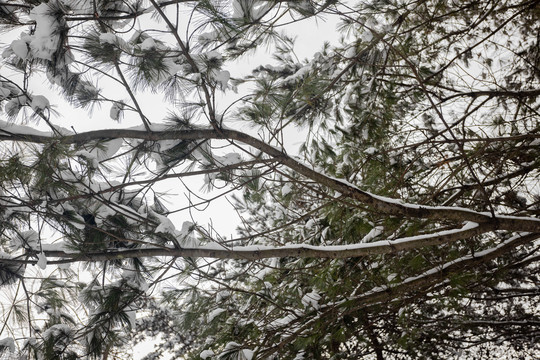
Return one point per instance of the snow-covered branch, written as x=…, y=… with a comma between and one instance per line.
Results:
x=383, y=204
x=258, y=252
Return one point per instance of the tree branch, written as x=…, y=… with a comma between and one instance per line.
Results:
x=382, y=204
x=257, y=252
x=495, y=93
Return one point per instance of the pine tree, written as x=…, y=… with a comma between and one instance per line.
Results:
x=406, y=226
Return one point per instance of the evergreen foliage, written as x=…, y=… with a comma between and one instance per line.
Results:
x=405, y=227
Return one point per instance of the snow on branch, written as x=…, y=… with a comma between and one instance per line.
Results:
x=257, y=252
x=385, y=205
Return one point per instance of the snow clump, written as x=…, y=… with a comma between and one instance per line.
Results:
x=108, y=38
x=42, y=261
x=39, y=103
x=376, y=231
x=222, y=79
x=44, y=42
x=206, y=354
x=20, y=48
x=116, y=111
x=56, y=330
x=148, y=44
x=7, y=343
x=286, y=189
x=214, y=313
x=311, y=299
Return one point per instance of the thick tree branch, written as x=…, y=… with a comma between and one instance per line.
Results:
x=257, y=252
x=382, y=204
